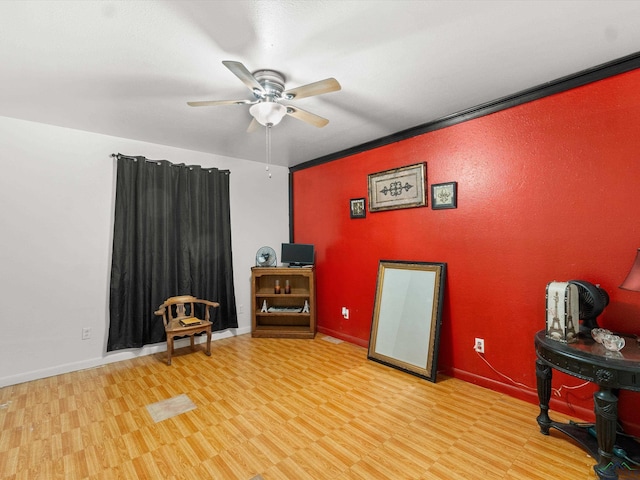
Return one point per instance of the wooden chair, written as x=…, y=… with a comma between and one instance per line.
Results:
x=179, y=319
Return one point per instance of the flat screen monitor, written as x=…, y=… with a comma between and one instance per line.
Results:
x=297, y=254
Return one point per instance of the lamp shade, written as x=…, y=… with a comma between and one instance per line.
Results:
x=268, y=113
x=632, y=282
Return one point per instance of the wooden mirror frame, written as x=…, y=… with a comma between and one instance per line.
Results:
x=407, y=314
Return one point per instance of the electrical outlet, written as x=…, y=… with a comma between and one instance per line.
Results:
x=478, y=346
x=86, y=333
x=345, y=313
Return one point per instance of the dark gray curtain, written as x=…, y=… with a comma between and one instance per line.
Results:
x=172, y=236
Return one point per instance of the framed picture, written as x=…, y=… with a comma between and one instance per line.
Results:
x=444, y=195
x=357, y=208
x=398, y=188
x=407, y=314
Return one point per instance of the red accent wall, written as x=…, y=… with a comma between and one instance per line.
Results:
x=548, y=190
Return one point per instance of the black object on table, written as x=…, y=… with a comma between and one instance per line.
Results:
x=611, y=371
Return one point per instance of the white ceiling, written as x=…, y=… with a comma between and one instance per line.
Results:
x=127, y=68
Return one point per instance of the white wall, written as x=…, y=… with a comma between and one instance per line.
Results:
x=57, y=192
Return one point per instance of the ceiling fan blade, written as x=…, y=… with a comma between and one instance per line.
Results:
x=240, y=71
x=312, y=118
x=317, y=88
x=213, y=103
x=253, y=126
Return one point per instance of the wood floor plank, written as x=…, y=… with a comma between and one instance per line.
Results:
x=282, y=408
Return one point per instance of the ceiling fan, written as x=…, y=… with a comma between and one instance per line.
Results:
x=268, y=90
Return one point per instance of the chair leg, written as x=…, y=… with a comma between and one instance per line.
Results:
x=169, y=348
x=208, y=351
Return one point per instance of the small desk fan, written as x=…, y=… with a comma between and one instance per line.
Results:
x=266, y=257
x=592, y=302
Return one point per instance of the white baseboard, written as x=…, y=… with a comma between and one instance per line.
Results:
x=111, y=357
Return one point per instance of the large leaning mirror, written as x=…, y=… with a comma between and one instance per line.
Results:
x=407, y=314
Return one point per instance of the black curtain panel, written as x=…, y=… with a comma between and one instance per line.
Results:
x=172, y=236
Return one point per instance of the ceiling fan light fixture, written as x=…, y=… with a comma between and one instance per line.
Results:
x=268, y=113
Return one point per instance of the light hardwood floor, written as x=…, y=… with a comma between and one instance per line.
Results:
x=279, y=408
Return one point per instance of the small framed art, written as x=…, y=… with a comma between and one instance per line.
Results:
x=444, y=195
x=357, y=208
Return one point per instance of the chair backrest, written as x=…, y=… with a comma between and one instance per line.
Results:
x=183, y=306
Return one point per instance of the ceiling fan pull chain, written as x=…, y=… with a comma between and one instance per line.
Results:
x=268, y=128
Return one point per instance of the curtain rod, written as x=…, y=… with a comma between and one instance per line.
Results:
x=119, y=155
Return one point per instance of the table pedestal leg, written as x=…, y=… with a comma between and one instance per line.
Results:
x=606, y=410
x=543, y=376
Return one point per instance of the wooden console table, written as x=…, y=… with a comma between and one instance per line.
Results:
x=611, y=371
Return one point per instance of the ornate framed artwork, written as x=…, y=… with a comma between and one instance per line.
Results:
x=357, y=208
x=398, y=188
x=444, y=195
